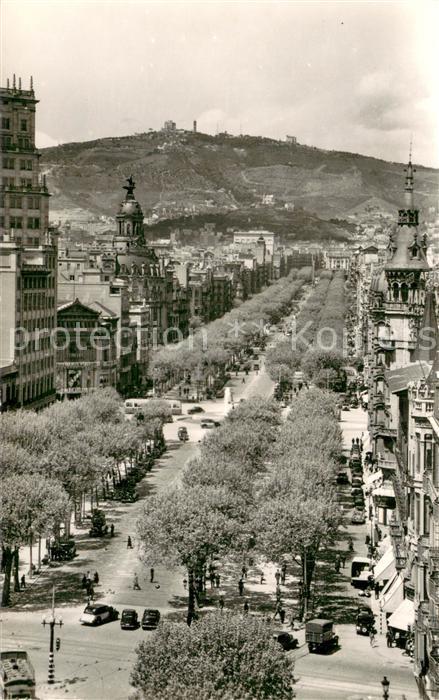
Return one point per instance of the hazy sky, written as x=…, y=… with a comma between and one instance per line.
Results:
x=359, y=76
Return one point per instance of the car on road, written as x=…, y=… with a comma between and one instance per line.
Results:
x=195, y=409
x=320, y=635
x=183, y=434
x=358, y=517
x=129, y=620
x=97, y=614
x=150, y=619
x=286, y=640
x=208, y=423
x=342, y=478
x=365, y=620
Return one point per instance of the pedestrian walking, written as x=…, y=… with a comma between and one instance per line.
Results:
x=246, y=607
x=377, y=589
x=350, y=544
x=151, y=575
x=389, y=638
x=84, y=581
x=372, y=637
x=217, y=580
x=241, y=586
x=283, y=571
x=292, y=621
x=282, y=616
x=262, y=578
x=111, y=530
x=244, y=571
x=91, y=592
x=129, y=543
x=136, y=585
x=23, y=581
x=212, y=579
x=185, y=583
x=337, y=564
x=96, y=577
x=277, y=610
x=221, y=601
x=343, y=560
x=277, y=577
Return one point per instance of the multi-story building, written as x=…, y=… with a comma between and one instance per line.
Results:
x=28, y=260
x=251, y=238
x=86, y=357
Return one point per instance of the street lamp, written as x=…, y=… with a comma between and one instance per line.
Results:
x=52, y=622
x=386, y=685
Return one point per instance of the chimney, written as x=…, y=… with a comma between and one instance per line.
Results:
x=32, y=83
x=19, y=83
x=195, y=126
x=7, y=83
x=13, y=82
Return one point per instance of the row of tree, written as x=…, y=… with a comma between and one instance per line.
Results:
x=317, y=336
x=259, y=487
x=209, y=350
x=50, y=460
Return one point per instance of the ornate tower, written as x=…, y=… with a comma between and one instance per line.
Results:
x=129, y=220
x=406, y=274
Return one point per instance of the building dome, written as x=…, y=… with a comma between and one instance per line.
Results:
x=130, y=207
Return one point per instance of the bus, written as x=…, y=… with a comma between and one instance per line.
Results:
x=135, y=406
x=360, y=572
x=17, y=675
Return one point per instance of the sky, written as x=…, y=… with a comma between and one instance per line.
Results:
x=355, y=76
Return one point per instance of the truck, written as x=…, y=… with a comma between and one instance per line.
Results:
x=17, y=675
x=320, y=635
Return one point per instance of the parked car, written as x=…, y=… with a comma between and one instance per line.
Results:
x=63, y=550
x=150, y=619
x=342, y=478
x=320, y=635
x=195, y=409
x=365, y=620
x=183, y=434
x=97, y=614
x=286, y=640
x=129, y=620
x=358, y=517
x=209, y=423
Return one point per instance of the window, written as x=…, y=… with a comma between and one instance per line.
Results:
x=8, y=163
x=16, y=222
x=33, y=202
x=6, y=123
x=15, y=201
x=29, y=165
x=33, y=222
x=8, y=181
x=23, y=124
x=6, y=141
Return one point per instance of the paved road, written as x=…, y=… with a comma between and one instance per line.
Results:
x=95, y=663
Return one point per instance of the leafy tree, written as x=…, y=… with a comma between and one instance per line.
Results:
x=186, y=527
x=31, y=506
x=220, y=657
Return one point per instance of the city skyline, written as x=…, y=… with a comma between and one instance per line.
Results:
x=319, y=71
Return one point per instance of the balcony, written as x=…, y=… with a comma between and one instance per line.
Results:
x=428, y=486
x=422, y=407
x=433, y=587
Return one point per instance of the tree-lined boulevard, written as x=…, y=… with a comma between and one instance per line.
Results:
x=230, y=500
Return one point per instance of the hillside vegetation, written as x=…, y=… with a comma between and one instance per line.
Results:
x=226, y=177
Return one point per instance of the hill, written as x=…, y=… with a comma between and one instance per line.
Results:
x=184, y=175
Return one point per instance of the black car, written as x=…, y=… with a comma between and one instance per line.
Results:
x=342, y=478
x=129, y=619
x=150, y=619
x=286, y=640
x=195, y=409
x=365, y=620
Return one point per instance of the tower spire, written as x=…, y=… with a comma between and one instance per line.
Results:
x=409, y=180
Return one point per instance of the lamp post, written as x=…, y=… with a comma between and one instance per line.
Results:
x=386, y=685
x=52, y=622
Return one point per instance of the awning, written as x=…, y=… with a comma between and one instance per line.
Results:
x=404, y=616
x=386, y=490
x=385, y=567
x=392, y=594
x=373, y=478
x=384, y=544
